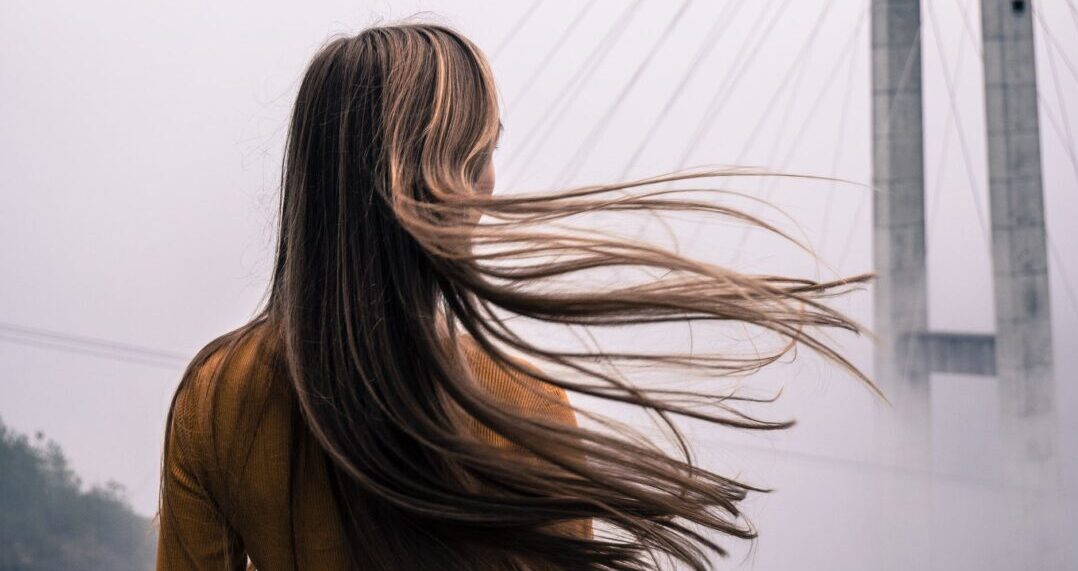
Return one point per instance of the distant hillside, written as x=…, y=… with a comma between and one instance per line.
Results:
x=49, y=523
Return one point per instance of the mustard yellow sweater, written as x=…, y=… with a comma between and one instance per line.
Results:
x=193, y=532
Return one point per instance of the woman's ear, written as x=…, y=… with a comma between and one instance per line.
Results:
x=485, y=184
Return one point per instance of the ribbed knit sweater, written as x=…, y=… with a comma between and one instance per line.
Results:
x=208, y=472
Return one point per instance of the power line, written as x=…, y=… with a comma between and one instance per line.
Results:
x=840, y=145
x=963, y=145
x=1051, y=51
x=799, y=63
x=795, y=71
x=1068, y=140
x=91, y=346
x=1055, y=43
x=711, y=40
x=937, y=187
x=572, y=89
x=538, y=71
x=736, y=69
x=516, y=28
x=731, y=78
x=847, y=52
x=592, y=138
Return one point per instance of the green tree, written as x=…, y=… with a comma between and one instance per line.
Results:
x=48, y=522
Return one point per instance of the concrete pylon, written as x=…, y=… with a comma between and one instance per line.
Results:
x=901, y=308
x=1019, y=252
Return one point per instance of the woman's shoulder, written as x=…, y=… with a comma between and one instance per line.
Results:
x=229, y=365
x=235, y=387
x=227, y=384
x=524, y=385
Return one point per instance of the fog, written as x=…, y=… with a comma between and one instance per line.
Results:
x=140, y=146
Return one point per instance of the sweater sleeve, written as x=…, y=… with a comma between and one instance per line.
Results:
x=562, y=411
x=527, y=390
x=193, y=535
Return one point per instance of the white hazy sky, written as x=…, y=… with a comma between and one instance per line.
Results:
x=140, y=145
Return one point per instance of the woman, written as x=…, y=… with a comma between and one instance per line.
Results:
x=381, y=413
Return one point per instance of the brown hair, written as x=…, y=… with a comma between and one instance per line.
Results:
x=383, y=261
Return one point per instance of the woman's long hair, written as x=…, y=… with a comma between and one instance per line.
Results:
x=387, y=253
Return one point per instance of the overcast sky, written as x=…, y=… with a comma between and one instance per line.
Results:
x=139, y=153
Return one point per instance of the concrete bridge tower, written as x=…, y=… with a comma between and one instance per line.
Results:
x=1019, y=354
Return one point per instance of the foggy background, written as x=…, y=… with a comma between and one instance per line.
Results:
x=139, y=154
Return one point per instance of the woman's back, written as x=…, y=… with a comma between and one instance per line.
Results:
x=238, y=440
